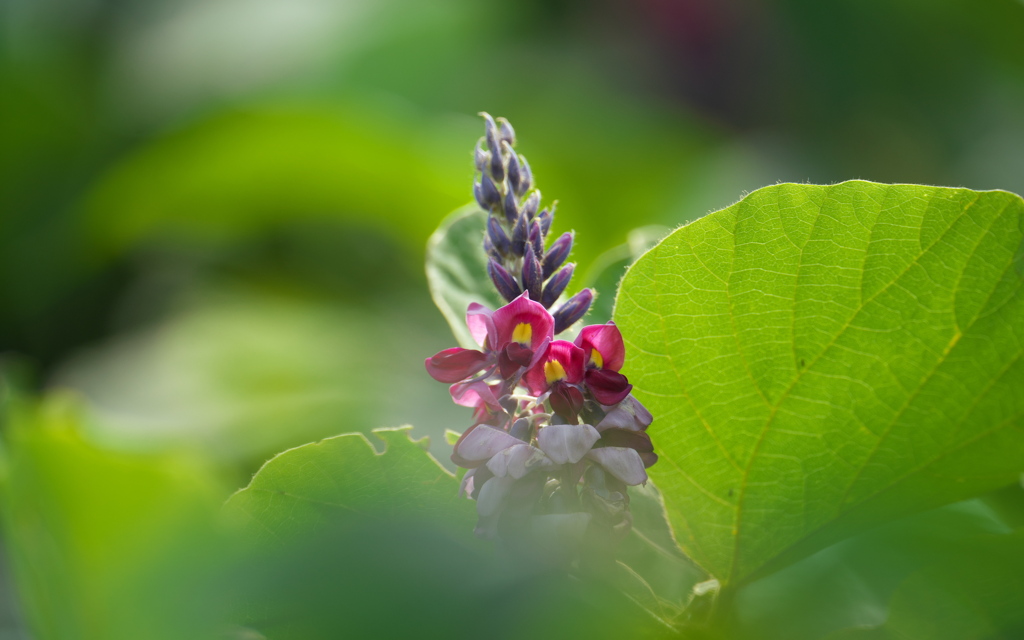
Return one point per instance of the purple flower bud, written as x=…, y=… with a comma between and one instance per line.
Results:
x=497, y=236
x=511, y=207
x=503, y=282
x=532, y=280
x=506, y=132
x=556, y=285
x=544, y=217
x=573, y=309
x=532, y=204
x=536, y=238
x=526, y=179
x=490, y=132
x=520, y=234
x=486, y=193
x=497, y=166
x=480, y=156
x=515, y=176
x=522, y=429
x=490, y=250
x=557, y=253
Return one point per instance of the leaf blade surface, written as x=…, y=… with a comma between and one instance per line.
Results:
x=819, y=359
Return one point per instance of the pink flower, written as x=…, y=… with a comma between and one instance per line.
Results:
x=605, y=354
x=515, y=334
x=559, y=370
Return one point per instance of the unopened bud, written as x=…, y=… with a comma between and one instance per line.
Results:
x=515, y=176
x=506, y=132
x=573, y=309
x=536, y=238
x=511, y=206
x=520, y=234
x=503, y=282
x=526, y=179
x=557, y=253
x=532, y=204
x=544, y=217
x=497, y=166
x=490, y=132
x=521, y=429
x=486, y=193
x=497, y=236
x=533, y=282
x=480, y=156
x=490, y=250
x=556, y=285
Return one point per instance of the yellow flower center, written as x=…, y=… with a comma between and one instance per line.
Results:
x=554, y=371
x=596, y=358
x=522, y=333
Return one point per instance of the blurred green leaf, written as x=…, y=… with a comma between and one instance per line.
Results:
x=851, y=584
x=457, y=270
x=819, y=359
x=344, y=477
x=227, y=176
x=240, y=375
x=106, y=545
x=651, y=570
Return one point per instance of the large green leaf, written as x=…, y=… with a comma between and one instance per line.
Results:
x=819, y=359
x=457, y=269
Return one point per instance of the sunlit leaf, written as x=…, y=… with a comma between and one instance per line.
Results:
x=820, y=359
x=457, y=270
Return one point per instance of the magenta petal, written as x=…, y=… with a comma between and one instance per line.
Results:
x=623, y=463
x=607, y=340
x=567, y=442
x=474, y=394
x=568, y=355
x=481, y=326
x=522, y=310
x=484, y=442
x=608, y=387
x=452, y=365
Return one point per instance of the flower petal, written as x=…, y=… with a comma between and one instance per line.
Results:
x=474, y=394
x=455, y=364
x=484, y=442
x=522, y=310
x=622, y=462
x=607, y=341
x=516, y=461
x=544, y=372
x=481, y=326
x=567, y=442
x=492, y=494
x=608, y=387
x=628, y=414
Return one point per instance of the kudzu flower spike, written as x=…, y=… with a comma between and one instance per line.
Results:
x=556, y=435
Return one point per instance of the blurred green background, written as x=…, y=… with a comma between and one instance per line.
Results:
x=213, y=213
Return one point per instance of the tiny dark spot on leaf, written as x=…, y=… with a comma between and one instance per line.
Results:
x=730, y=493
x=802, y=363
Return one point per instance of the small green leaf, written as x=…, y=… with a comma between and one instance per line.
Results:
x=345, y=477
x=819, y=359
x=457, y=269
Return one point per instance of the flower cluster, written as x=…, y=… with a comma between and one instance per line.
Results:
x=556, y=437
